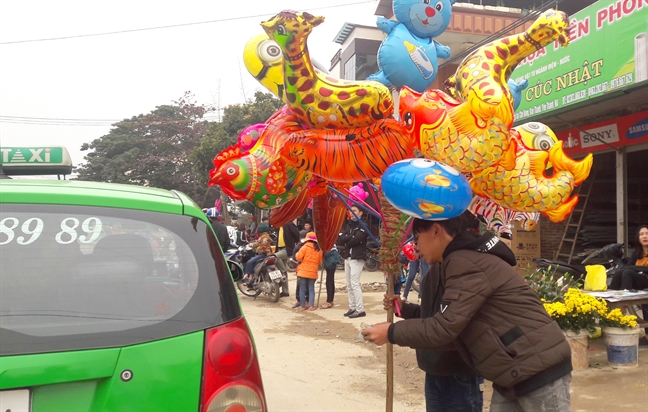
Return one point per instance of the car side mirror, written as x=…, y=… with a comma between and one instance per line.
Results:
x=236, y=270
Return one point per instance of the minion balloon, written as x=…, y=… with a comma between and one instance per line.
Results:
x=264, y=60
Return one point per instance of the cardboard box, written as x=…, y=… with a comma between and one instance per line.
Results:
x=525, y=246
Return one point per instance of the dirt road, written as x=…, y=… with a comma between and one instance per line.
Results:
x=314, y=361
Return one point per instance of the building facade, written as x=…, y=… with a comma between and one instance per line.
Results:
x=603, y=111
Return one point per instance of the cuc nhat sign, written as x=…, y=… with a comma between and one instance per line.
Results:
x=608, y=51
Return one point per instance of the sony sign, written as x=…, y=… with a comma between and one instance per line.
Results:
x=599, y=136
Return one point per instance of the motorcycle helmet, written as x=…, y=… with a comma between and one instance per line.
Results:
x=212, y=213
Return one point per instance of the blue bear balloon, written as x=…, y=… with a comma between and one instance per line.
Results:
x=408, y=56
x=426, y=189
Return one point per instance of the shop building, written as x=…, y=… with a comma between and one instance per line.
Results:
x=593, y=94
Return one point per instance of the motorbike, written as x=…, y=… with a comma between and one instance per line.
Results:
x=610, y=256
x=372, y=260
x=267, y=278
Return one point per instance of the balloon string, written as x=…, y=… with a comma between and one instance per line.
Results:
x=365, y=204
x=373, y=195
x=356, y=203
x=354, y=214
x=407, y=232
x=400, y=223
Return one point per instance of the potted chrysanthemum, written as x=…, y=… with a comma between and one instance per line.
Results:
x=577, y=315
x=621, y=338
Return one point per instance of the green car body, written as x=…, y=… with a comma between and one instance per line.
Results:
x=69, y=352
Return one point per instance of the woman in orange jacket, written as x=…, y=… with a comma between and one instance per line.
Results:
x=310, y=257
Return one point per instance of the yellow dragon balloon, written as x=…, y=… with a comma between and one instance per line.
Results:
x=485, y=72
x=322, y=102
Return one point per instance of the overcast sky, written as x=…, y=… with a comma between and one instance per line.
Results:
x=111, y=77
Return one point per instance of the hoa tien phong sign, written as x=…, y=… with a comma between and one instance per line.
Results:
x=608, y=51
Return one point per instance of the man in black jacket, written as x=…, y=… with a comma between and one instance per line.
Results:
x=450, y=384
x=496, y=322
x=353, y=249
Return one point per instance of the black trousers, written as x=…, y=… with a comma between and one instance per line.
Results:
x=330, y=285
x=632, y=277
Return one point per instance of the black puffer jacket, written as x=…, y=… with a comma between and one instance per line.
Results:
x=353, y=241
x=496, y=321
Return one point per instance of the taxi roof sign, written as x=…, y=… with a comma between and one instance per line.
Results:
x=35, y=160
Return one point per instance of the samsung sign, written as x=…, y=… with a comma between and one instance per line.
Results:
x=600, y=135
x=638, y=129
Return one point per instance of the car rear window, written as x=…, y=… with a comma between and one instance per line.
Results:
x=86, y=277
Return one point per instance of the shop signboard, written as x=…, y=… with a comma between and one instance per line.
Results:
x=608, y=52
x=624, y=131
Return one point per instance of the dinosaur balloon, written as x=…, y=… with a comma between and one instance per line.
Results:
x=485, y=72
x=322, y=102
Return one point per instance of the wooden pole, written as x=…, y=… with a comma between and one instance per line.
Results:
x=320, y=287
x=391, y=234
x=389, y=405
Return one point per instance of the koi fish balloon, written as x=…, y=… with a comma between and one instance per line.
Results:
x=527, y=188
x=426, y=189
x=408, y=55
x=446, y=130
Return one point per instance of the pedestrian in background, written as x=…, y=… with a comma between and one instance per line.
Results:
x=331, y=260
x=352, y=244
x=310, y=258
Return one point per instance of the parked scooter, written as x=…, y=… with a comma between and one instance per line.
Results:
x=372, y=260
x=267, y=278
x=610, y=256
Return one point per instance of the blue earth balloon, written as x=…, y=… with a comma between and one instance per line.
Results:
x=426, y=189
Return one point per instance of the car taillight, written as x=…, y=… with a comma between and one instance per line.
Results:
x=231, y=380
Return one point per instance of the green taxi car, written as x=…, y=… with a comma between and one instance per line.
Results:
x=117, y=298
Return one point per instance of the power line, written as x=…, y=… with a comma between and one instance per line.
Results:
x=174, y=25
x=49, y=121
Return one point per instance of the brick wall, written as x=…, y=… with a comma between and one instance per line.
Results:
x=550, y=235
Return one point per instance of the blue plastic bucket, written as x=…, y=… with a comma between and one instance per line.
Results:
x=622, y=347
